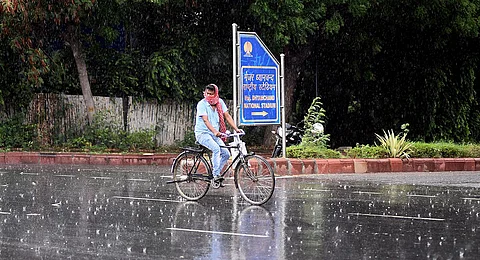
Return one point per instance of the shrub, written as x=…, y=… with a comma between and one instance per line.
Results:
x=16, y=134
x=367, y=151
x=105, y=134
x=143, y=139
x=188, y=141
x=473, y=150
x=426, y=150
x=395, y=145
x=443, y=150
x=78, y=142
x=311, y=151
x=314, y=121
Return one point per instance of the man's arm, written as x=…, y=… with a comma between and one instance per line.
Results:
x=230, y=121
x=209, y=126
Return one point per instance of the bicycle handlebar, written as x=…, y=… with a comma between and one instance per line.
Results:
x=229, y=134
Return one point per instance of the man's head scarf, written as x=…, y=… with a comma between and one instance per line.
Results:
x=214, y=101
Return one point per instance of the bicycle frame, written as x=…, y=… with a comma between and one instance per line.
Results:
x=198, y=153
x=240, y=157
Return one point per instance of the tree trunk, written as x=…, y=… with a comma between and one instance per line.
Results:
x=82, y=73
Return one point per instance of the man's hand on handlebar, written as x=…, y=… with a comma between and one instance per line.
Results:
x=240, y=131
x=229, y=134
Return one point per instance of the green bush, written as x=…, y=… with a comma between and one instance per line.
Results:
x=78, y=142
x=16, y=134
x=425, y=150
x=311, y=151
x=188, y=141
x=444, y=150
x=473, y=150
x=420, y=150
x=367, y=151
x=103, y=134
x=314, y=121
x=143, y=139
x=395, y=145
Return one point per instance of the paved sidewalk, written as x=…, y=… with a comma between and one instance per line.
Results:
x=282, y=166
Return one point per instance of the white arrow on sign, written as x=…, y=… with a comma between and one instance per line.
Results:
x=263, y=113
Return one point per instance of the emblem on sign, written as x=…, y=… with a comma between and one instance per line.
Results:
x=247, y=48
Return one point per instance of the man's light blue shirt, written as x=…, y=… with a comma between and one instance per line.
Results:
x=204, y=108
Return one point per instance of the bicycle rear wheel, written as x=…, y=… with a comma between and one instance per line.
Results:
x=190, y=175
x=255, y=179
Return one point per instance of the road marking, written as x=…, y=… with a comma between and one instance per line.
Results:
x=101, y=178
x=147, y=199
x=138, y=180
x=284, y=177
x=218, y=232
x=368, y=192
x=316, y=190
x=5, y=213
x=64, y=175
x=471, y=199
x=29, y=173
x=423, y=196
x=394, y=216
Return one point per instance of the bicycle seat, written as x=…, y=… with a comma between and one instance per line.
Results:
x=200, y=148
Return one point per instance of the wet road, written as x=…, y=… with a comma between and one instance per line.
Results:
x=104, y=212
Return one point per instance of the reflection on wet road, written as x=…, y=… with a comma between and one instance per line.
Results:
x=85, y=212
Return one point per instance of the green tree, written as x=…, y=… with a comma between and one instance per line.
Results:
x=27, y=24
x=399, y=62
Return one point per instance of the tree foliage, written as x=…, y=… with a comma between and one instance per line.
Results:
x=376, y=64
x=399, y=62
x=28, y=26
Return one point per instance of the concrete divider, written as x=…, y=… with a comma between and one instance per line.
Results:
x=281, y=166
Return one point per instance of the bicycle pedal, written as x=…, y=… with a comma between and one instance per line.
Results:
x=217, y=184
x=218, y=179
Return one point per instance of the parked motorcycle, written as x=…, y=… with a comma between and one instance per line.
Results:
x=293, y=135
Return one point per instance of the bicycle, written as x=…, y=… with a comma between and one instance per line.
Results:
x=253, y=175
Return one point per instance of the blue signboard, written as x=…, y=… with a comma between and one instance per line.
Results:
x=259, y=82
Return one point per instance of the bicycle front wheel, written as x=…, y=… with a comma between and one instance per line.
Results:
x=255, y=179
x=190, y=175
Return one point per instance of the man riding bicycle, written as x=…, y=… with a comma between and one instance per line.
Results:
x=210, y=127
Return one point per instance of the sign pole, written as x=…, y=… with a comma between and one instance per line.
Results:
x=234, y=72
x=282, y=87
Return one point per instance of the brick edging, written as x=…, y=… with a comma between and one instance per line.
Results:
x=81, y=158
x=332, y=166
x=282, y=166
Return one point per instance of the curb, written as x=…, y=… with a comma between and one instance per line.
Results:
x=79, y=158
x=281, y=166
